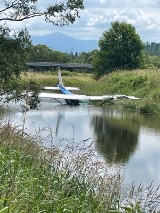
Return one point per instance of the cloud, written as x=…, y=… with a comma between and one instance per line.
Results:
x=129, y=3
x=97, y=17
x=144, y=19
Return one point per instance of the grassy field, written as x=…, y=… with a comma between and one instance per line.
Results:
x=141, y=83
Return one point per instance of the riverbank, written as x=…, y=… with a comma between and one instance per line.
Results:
x=140, y=83
x=38, y=179
x=35, y=179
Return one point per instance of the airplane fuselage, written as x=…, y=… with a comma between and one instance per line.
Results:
x=67, y=92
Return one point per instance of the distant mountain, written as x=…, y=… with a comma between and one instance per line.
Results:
x=65, y=43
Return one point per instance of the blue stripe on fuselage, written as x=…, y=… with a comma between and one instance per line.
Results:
x=64, y=90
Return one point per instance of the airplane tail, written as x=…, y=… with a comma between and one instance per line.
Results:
x=60, y=77
x=61, y=86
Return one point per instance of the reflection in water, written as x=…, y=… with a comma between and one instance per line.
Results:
x=117, y=138
x=59, y=118
x=132, y=139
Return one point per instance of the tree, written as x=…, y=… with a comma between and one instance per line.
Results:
x=14, y=50
x=61, y=13
x=151, y=61
x=152, y=48
x=85, y=57
x=43, y=53
x=120, y=48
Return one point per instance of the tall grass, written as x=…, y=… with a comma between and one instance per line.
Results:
x=37, y=179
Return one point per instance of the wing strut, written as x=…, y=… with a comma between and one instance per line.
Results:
x=105, y=101
x=58, y=101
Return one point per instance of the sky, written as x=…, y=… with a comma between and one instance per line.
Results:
x=97, y=17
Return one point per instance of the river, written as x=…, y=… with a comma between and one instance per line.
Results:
x=124, y=138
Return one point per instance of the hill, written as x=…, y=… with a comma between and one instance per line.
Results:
x=65, y=43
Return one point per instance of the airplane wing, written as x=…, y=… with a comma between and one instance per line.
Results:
x=83, y=97
x=130, y=97
x=57, y=88
x=115, y=97
x=111, y=97
x=62, y=96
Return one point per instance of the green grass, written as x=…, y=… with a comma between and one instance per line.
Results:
x=34, y=179
x=37, y=179
x=140, y=83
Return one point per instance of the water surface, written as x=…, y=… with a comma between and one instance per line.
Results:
x=132, y=140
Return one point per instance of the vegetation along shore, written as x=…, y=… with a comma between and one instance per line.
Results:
x=142, y=83
x=37, y=179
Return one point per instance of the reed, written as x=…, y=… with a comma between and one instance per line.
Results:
x=38, y=179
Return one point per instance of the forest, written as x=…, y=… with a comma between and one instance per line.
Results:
x=42, y=53
x=152, y=48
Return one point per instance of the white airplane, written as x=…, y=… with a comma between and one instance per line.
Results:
x=75, y=99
